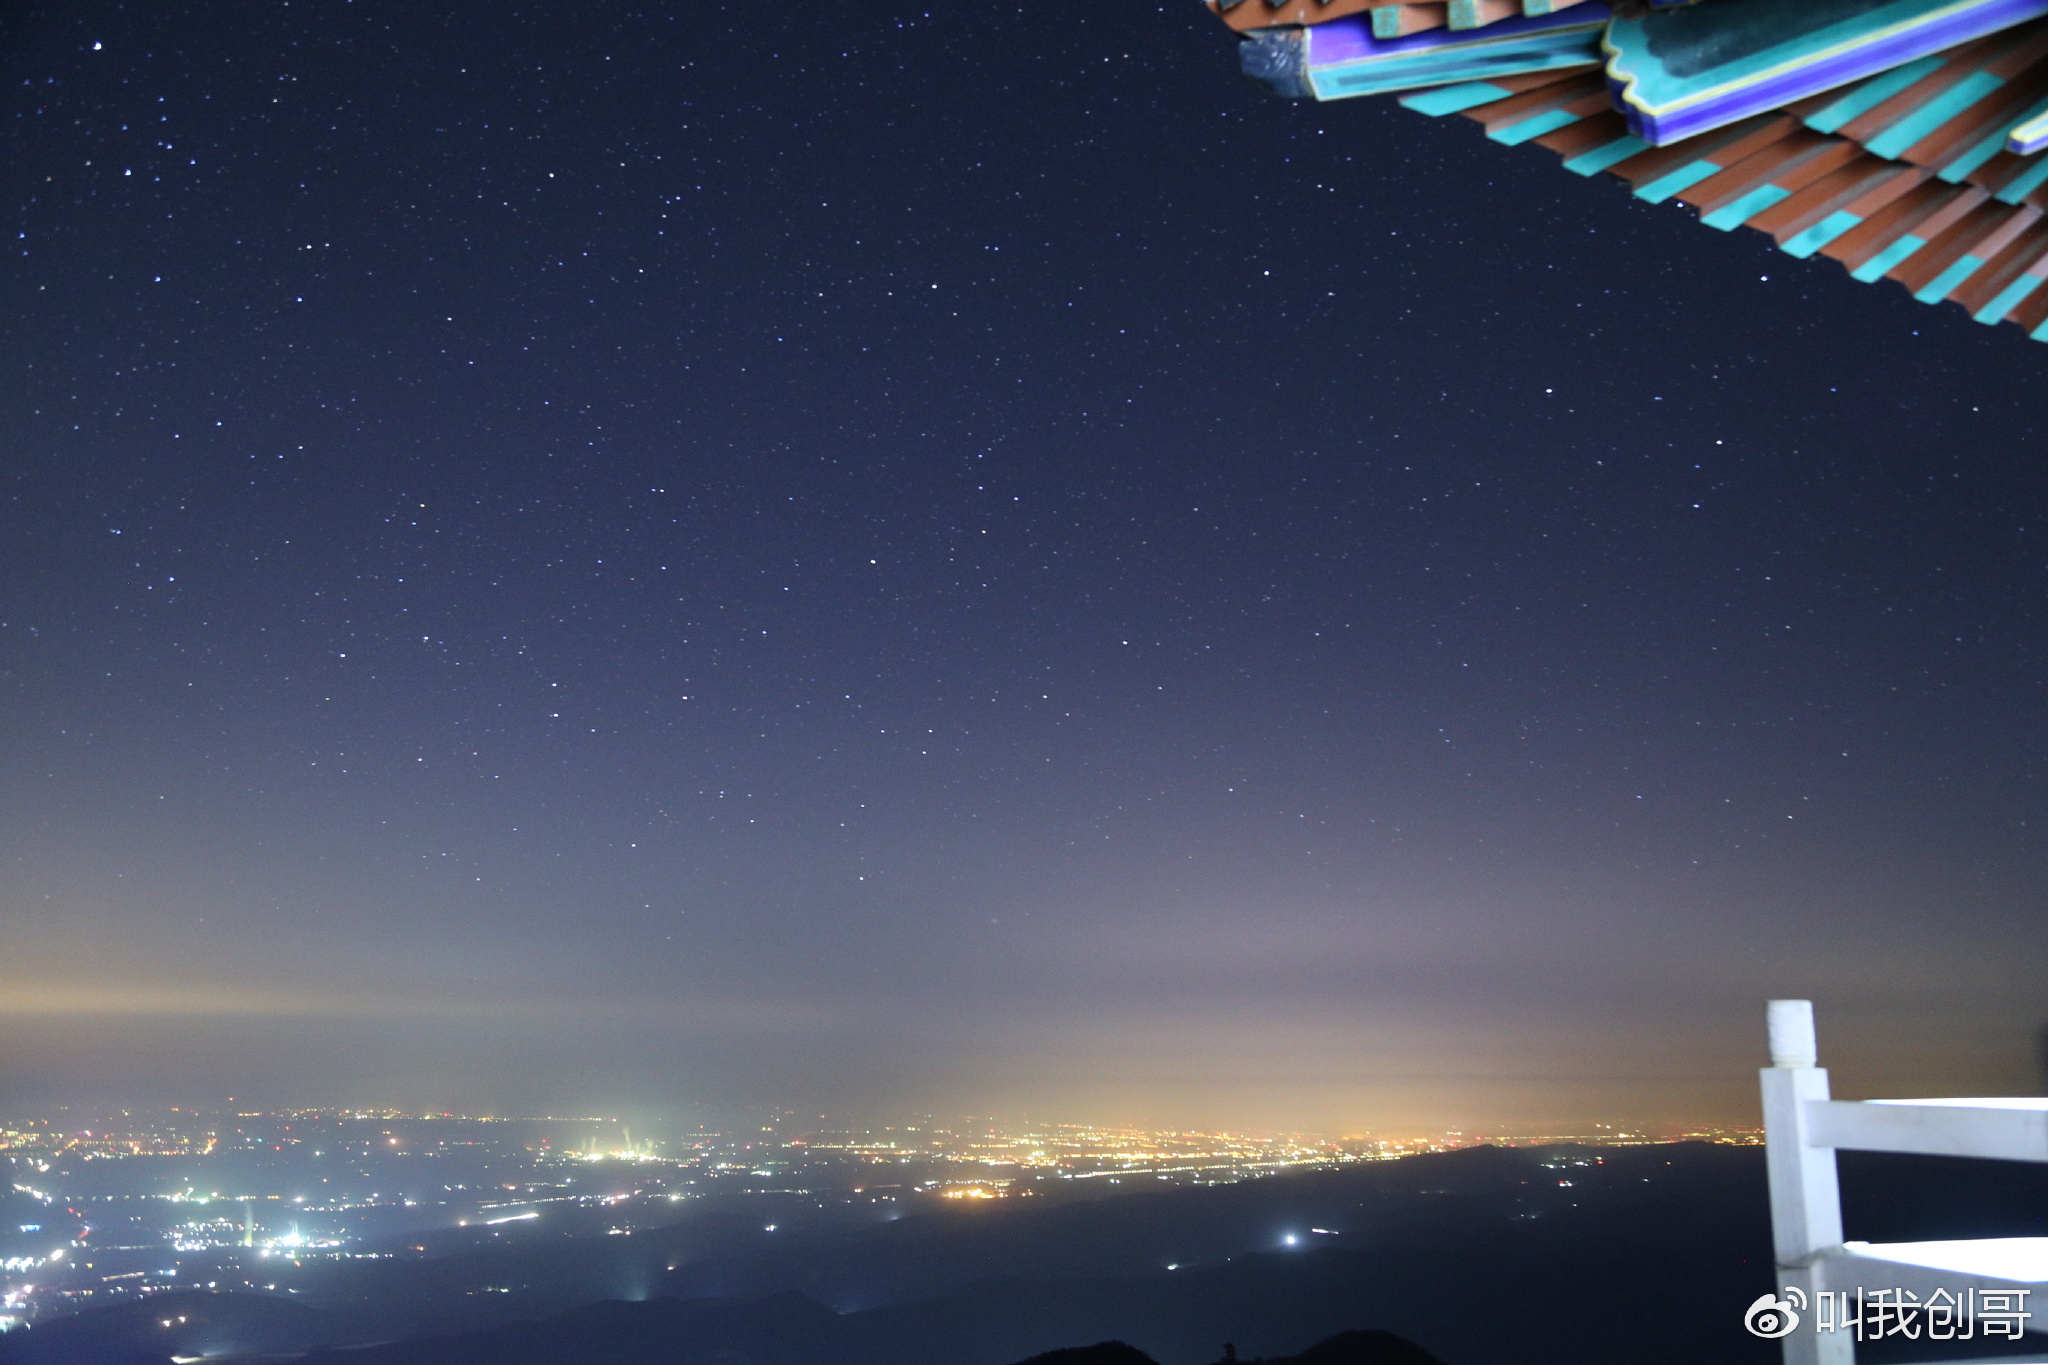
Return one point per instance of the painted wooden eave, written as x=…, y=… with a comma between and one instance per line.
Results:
x=1920, y=173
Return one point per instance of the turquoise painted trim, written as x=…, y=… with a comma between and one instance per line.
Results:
x=1931, y=115
x=1949, y=280
x=1615, y=152
x=1732, y=216
x=1665, y=109
x=1530, y=128
x=2029, y=137
x=1804, y=244
x=1341, y=58
x=1863, y=98
x=2035, y=111
x=2025, y=183
x=1959, y=169
x=2008, y=299
x=1877, y=265
x=1452, y=99
x=2039, y=333
x=1475, y=61
x=1673, y=182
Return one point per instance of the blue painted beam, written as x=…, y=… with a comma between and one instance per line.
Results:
x=1679, y=73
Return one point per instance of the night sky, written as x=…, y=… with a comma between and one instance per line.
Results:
x=558, y=557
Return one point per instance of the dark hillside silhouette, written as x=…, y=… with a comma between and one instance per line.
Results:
x=1101, y=1353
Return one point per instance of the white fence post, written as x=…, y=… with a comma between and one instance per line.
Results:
x=1806, y=1203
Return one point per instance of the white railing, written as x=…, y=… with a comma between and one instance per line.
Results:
x=1947, y=1291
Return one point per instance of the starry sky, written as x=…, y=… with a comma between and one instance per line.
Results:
x=606, y=556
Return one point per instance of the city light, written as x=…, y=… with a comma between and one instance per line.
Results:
x=373, y=1185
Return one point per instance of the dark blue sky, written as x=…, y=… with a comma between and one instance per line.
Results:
x=563, y=556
